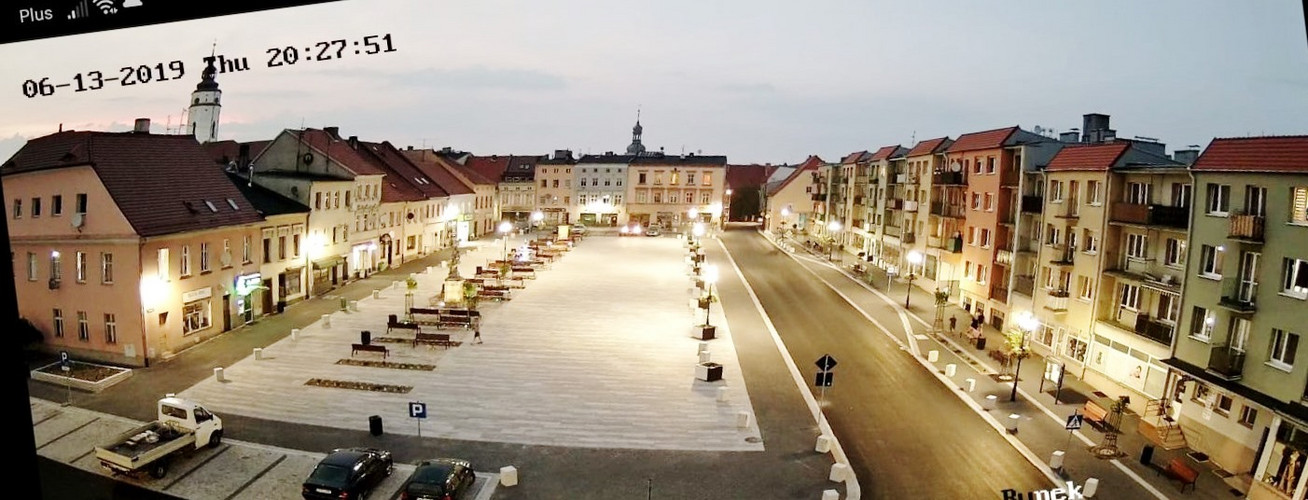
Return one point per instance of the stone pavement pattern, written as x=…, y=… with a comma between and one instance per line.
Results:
x=594, y=352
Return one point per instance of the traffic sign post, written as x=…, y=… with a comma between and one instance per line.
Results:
x=65, y=365
x=1074, y=422
x=826, y=363
x=824, y=377
x=418, y=410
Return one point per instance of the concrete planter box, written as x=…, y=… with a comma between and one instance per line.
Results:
x=708, y=372
x=706, y=332
x=120, y=375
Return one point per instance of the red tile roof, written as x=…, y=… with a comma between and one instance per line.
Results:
x=404, y=181
x=1287, y=153
x=856, y=157
x=885, y=152
x=930, y=146
x=438, y=170
x=490, y=167
x=339, y=150
x=989, y=139
x=1097, y=157
x=813, y=162
x=225, y=152
x=159, y=182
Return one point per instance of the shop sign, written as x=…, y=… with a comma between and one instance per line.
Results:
x=197, y=294
x=248, y=283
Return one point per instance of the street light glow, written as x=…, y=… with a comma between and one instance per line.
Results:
x=710, y=273
x=834, y=226
x=785, y=211
x=693, y=212
x=914, y=257
x=537, y=216
x=506, y=226
x=1027, y=321
x=698, y=229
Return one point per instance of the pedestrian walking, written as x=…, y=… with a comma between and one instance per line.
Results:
x=476, y=335
x=953, y=324
x=980, y=318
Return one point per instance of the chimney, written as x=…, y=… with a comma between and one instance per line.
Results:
x=334, y=132
x=1093, y=127
x=446, y=149
x=243, y=158
x=1186, y=156
x=1071, y=136
x=142, y=126
x=354, y=141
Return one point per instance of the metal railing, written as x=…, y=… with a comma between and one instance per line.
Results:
x=1226, y=362
x=1247, y=227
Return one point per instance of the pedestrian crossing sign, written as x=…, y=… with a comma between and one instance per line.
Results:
x=1074, y=421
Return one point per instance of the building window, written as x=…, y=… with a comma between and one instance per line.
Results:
x=1086, y=286
x=347, y=199
x=1295, y=278
x=1248, y=415
x=80, y=264
x=18, y=208
x=555, y=183
x=227, y=253
x=1169, y=308
x=1219, y=199
x=110, y=329
x=56, y=267
x=544, y=183
x=57, y=205
x=985, y=238
x=976, y=201
x=1056, y=191
x=80, y=201
x=990, y=202
x=36, y=207
x=1202, y=322
x=83, y=327
x=1223, y=405
x=1093, y=193
x=58, y=322
x=1174, y=253
x=292, y=285
x=195, y=316
x=583, y=182
x=281, y=244
x=336, y=199
x=1137, y=246
x=990, y=165
x=690, y=178
x=708, y=179
x=245, y=250
x=704, y=198
x=31, y=266
x=1091, y=242
x=980, y=274
x=267, y=243
x=204, y=257
x=161, y=260
x=1210, y=262
x=1299, y=205
x=1129, y=297
x=106, y=267
x=185, y=268
x=1282, y=351
x=317, y=201
x=1137, y=193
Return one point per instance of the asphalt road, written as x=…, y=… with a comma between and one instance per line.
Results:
x=906, y=434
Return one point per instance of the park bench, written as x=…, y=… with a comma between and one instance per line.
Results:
x=525, y=272
x=355, y=348
x=493, y=294
x=1094, y=413
x=1177, y=470
x=434, y=339
x=394, y=324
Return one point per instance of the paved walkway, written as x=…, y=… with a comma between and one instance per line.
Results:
x=1040, y=421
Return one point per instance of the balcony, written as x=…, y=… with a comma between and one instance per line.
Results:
x=998, y=293
x=1033, y=204
x=1226, y=362
x=1063, y=256
x=908, y=237
x=819, y=197
x=1247, y=228
x=1139, y=323
x=858, y=223
x=905, y=179
x=1150, y=215
x=1071, y=211
x=1027, y=245
x=1004, y=257
x=935, y=242
x=948, y=179
x=1146, y=271
x=890, y=230
x=1007, y=218
x=947, y=210
x=910, y=206
x=858, y=199
x=1057, y=301
x=1024, y=285
x=1239, y=295
x=894, y=204
x=1009, y=179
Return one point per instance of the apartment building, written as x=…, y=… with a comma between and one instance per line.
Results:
x=877, y=183
x=129, y=247
x=664, y=189
x=282, y=257
x=1237, y=385
x=518, y=188
x=791, y=204
x=599, y=187
x=450, y=222
x=554, y=188
x=849, y=200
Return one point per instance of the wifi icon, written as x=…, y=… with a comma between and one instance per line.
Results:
x=106, y=6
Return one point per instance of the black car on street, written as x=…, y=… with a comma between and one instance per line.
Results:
x=439, y=479
x=348, y=473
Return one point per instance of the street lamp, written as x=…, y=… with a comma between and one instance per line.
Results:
x=914, y=258
x=536, y=218
x=505, y=228
x=728, y=207
x=697, y=230
x=710, y=277
x=1026, y=323
x=832, y=228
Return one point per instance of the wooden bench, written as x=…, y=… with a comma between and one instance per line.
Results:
x=402, y=325
x=355, y=348
x=436, y=339
x=1094, y=413
x=1177, y=470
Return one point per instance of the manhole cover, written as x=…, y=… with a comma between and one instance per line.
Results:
x=753, y=439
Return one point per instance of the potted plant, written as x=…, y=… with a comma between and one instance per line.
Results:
x=411, y=282
x=470, y=294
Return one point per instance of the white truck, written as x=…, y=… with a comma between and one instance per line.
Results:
x=181, y=425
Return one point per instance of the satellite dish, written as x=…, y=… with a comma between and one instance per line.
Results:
x=1039, y=130
x=956, y=166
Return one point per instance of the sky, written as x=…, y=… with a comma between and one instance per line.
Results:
x=759, y=81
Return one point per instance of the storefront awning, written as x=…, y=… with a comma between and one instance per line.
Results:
x=328, y=262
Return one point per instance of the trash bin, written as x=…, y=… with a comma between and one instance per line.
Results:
x=1147, y=455
x=392, y=319
x=365, y=337
x=981, y=343
x=375, y=425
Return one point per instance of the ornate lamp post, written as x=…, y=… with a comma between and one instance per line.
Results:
x=1026, y=324
x=914, y=258
x=536, y=218
x=505, y=228
x=710, y=277
x=785, y=214
x=832, y=228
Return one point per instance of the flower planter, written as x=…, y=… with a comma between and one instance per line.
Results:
x=706, y=332
x=703, y=303
x=708, y=372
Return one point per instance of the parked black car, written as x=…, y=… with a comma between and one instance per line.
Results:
x=348, y=473
x=439, y=479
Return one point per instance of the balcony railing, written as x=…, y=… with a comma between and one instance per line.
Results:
x=1000, y=294
x=908, y=237
x=1147, y=271
x=1239, y=295
x=935, y=242
x=858, y=199
x=1004, y=257
x=1154, y=330
x=1247, y=228
x=1150, y=215
x=948, y=178
x=819, y=197
x=1007, y=218
x=1024, y=285
x=910, y=206
x=894, y=203
x=1226, y=362
x=954, y=245
x=1033, y=204
x=890, y=230
x=1057, y=301
x=947, y=210
x=1063, y=256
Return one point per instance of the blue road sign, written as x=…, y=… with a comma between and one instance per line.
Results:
x=417, y=409
x=826, y=362
x=823, y=379
x=1074, y=421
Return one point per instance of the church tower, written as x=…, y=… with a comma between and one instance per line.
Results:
x=203, y=113
x=636, y=148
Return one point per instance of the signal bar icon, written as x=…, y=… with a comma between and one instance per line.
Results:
x=106, y=7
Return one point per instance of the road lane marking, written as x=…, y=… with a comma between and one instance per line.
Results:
x=852, y=490
x=256, y=477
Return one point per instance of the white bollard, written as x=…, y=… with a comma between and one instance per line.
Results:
x=354, y=305
x=326, y=321
x=218, y=374
x=933, y=356
x=1056, y=461
x=990, y=401
x=823, y=444
x=376, y=294
x=742, y=420
x=705, y=357
x=1013, y=419
x=1091, y=486
x=395, y=285
x=970, y=384
x=838, y=472
x=703, y=346
x=723, y=395
x=258, y=353
x=830, y=495
x=295, y=332
x=508, y=476
x=951, y=370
